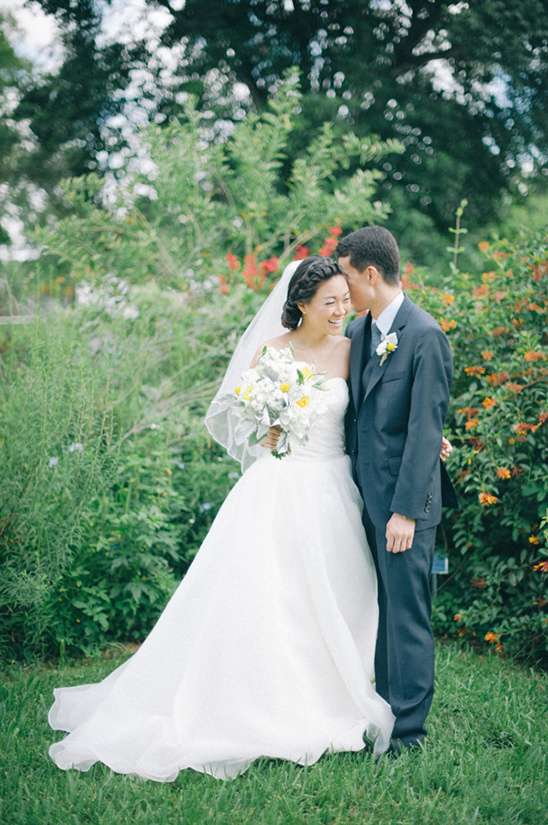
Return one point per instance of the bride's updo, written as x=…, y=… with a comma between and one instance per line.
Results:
x=304, y=284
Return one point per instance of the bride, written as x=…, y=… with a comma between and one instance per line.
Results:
x=267, y=646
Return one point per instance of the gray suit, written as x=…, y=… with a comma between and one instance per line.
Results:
x=394, y=429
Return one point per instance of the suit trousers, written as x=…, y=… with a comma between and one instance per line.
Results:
x=404, y=656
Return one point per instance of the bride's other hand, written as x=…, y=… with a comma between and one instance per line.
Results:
x=446, y=449
x=271, y=439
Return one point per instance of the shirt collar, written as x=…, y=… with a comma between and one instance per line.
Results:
x=386, y=318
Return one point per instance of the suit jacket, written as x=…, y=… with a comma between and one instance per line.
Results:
x=394, y=422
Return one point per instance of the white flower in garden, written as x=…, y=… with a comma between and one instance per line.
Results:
x=53, y=461
x=76, y=446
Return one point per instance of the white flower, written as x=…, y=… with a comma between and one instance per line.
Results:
x=53, y=462
x=387, y=346
x=76, y=446
x=278, y=392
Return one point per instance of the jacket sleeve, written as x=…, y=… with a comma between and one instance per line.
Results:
x=431, y=381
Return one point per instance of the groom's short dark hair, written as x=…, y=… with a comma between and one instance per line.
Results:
x=372, y=246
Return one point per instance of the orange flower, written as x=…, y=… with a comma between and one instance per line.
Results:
x=541, y=567
x=480, y=291
x=302, y=253
x=513, y=387
x=457, y=617
x=488, y=402
x=503, y=472
x=491, y=637
x=499, y=331
x=474, y=370
x=487, y=355
x=534, y=540
x=232, y=261
x=483, y=246
x=447, y=298
x=486, y=499
x=447, y=325
x=472, y=423
x=224, y=287
x=253, y=277
x=531, y=355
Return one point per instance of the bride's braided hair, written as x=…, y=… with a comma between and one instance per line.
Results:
x=304, y=284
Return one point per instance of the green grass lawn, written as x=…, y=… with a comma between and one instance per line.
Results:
x=486, y=762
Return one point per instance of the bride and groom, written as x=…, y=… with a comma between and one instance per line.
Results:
x=293, y=633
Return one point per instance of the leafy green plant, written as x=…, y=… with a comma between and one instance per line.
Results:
x=496, y=325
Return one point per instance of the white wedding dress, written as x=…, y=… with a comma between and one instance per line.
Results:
x=267, y=646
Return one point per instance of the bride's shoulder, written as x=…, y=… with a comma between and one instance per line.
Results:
x=342, y=356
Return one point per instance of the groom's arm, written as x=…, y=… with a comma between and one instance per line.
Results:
x=429, y=402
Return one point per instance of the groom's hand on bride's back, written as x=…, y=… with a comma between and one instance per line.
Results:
x=399, y=533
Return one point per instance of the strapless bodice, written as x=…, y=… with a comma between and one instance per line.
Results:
x=326, y=437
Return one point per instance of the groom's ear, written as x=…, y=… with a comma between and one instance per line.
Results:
x=372, y=274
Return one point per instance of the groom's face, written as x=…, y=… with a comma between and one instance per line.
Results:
x=359, y=283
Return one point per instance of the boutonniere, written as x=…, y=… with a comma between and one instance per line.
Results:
x=387, y=346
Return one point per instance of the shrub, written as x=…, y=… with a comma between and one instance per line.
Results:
x=497, y=328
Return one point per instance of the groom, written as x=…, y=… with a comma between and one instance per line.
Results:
x=400, y=375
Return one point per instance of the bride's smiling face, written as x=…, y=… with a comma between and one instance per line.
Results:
x=326, y=311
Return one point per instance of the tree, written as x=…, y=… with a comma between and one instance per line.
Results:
x=12, y=73
x=464, y=86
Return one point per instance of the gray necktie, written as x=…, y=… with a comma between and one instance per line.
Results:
x=376, y=337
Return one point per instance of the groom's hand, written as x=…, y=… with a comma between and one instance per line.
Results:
x=399, y=533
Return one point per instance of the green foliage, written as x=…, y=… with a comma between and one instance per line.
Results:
x=108, y=481
x=176, y=223
x=463, y=86
x=498, y=421
x=94, y=540
x=484, y=762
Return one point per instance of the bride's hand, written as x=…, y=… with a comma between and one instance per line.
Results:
x=271, y=439
x=446, y=449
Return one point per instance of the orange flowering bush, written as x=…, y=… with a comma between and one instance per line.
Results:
x=497, y=326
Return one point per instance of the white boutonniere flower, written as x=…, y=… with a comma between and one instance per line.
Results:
x=387, y=346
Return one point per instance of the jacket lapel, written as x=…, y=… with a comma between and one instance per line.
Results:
x=376, y=372
x=358, y=359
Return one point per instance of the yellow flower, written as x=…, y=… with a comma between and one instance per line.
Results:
x=237, y=389
x=285, y=387
x=306, y=372
x=302, y=402
x=247, y=394
x=390, y=347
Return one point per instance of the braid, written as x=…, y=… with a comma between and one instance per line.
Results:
x=304, y=285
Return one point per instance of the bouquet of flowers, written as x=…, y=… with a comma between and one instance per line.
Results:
x=278, y=392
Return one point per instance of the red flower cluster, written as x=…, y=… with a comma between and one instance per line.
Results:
x=331, y=241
